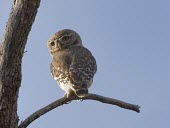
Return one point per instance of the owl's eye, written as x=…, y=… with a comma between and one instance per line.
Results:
x=52, y=43
x=64, y=38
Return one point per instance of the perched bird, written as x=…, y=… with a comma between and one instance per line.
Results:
x=73, y=66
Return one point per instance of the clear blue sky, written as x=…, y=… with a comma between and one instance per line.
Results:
x=130, y=40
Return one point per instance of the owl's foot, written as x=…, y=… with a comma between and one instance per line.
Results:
x=67, y=96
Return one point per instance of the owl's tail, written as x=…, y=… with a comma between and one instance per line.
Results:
x=81, y=92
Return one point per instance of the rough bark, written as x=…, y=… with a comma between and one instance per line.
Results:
x=19, y=24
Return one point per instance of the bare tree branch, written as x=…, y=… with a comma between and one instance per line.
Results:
x=64, y=100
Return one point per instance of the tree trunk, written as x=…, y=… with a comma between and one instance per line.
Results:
x=11, y=51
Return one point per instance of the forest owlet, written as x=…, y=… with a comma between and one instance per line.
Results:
x=73, y=66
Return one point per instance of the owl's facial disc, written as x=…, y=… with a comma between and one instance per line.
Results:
x=52, y=45
x=59, y=45
x=63, y=39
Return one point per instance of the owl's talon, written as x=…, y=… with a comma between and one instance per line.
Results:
x=65, y=95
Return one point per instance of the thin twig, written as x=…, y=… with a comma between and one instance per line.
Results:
x=64, y=100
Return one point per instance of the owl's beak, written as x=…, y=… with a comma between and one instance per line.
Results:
x=59, y=44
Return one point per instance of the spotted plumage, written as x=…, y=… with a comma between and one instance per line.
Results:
x=73, y=66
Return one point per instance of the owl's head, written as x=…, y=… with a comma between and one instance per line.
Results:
x=63, y=39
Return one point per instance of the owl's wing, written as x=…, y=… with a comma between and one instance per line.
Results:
x=74, y=70
x=60, y=68
x=54, y=72
x=83, y=68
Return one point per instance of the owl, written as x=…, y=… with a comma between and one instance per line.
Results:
x=73, y=66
